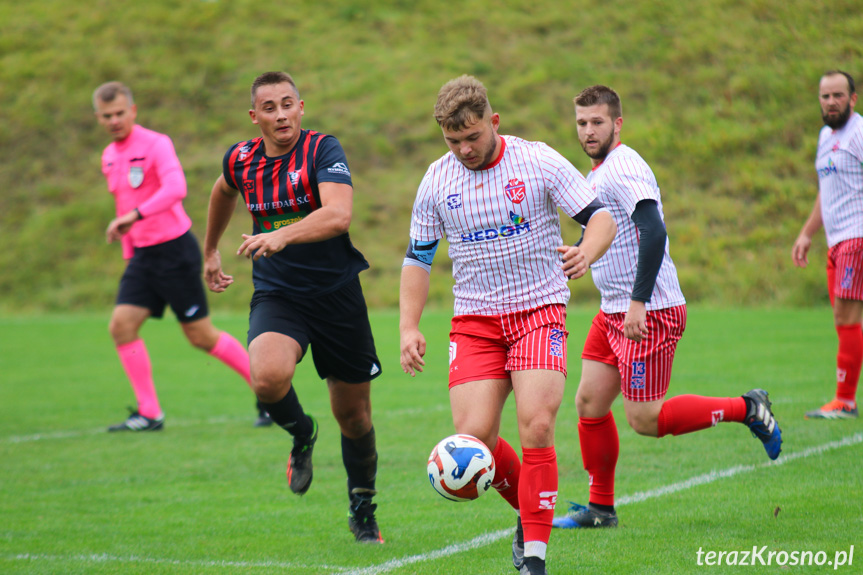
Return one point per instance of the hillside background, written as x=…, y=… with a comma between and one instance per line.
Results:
x=720, y=97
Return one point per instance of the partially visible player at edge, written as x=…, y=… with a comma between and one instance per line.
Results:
x=148, y=184
x=631, y=343
x=297, y=185
x=839, y=208
x=495, y=198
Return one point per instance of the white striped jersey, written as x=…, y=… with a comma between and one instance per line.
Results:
x=840, y=180
x=621, y=181
x=502, y=225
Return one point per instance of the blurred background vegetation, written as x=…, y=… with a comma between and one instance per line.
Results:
x=720, y=97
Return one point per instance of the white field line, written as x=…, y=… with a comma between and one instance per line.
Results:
x=70, y=434
x=476, y=542
x=105, y=558
x=489, y=538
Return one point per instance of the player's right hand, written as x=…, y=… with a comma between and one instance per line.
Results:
x=217, y=281
x=413, y=348
x=800, y=251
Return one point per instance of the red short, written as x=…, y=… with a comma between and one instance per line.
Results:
x=645, y=367
x=845, y=270
x=492, y=346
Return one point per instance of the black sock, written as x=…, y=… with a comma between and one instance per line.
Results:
x=360, y=457
x=289, y=415
x=603, y=508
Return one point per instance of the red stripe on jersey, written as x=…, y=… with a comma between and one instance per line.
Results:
x=313, y=201
x=290, y=186
x=276, y=185
x=259, y=181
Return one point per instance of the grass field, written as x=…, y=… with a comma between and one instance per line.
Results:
x=208, y=494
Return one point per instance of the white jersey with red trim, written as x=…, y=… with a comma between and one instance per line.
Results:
x=621, y=181
x=502, y=225
x=839, y=164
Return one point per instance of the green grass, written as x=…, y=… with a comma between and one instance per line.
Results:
x=720, y=97
x=208, y=495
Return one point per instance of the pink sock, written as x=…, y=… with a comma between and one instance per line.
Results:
x=507, y=469
x=688, y=413
x=537, y=492
x=232, y=353
x=599, y=450
x=136, y=363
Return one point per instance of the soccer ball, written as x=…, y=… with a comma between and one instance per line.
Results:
x=461, y=468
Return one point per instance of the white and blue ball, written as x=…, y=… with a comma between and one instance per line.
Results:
x=461, y=468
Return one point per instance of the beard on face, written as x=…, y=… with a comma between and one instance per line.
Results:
x=836, y=122
x=602, y=151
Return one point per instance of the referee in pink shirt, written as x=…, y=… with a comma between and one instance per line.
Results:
x=839, y=209
x=495, y=199
x=164, y=260
x=630, y=347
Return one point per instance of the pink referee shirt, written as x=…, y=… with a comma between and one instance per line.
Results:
x=621, y=181
x=839, y=164
x=502, y=225
x=143, y=172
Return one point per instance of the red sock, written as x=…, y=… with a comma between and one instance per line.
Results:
x=599, y=450
x=848, y=361
x=507, y=469
x=232, y=353
x=136, y=363
x=537, y=492
x=688, y=413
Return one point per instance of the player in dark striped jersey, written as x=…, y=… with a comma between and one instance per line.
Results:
x=297, y=185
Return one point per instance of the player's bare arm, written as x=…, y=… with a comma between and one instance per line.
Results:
x=332, y=219
x=800, y=250
x=120, y=226
x=413, y=293
x=223, y=200
x=598, y=235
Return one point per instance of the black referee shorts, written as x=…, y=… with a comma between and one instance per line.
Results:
x=335, y=324
x=166, y=274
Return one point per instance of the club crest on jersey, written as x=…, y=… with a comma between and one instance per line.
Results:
x=639, y=373
x=244, y=153
x=515, y=191
x=294, y=177
x=136, y=176
x=453, y=201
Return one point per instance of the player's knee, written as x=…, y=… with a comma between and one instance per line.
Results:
x=643, y=424
x=270, y=385
x=537, y=432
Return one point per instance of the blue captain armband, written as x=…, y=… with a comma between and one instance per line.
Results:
x=420, y=253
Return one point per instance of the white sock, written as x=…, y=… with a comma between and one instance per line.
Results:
x=535, y=549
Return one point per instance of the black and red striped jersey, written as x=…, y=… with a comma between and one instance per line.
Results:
x=283, y=190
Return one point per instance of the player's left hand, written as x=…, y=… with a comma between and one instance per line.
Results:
x=261, y=245
x=635, y=322
x=574, y=263
x=120, y=226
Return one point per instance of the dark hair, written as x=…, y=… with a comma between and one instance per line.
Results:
x=851, y=89
x=272, y=78
x=110, y=90
x=600, y=94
